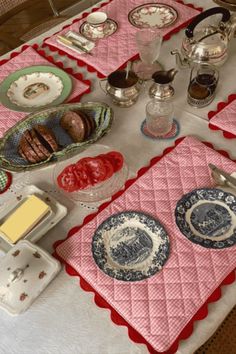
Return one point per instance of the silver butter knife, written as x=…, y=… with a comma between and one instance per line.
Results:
x=227, y=176
x=73, y=42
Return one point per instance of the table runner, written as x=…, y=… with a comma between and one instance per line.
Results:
x=224, y=118
x=160, y=309
x=32, y=56
x=112, y=52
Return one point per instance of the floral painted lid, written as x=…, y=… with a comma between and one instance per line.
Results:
x=25, y=271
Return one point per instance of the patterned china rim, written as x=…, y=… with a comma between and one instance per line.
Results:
x=141, y=256
x=103, y=126
x=92, y=34
x=10, y=79
x=135, y=12
x=20, y=83
x=193, y=209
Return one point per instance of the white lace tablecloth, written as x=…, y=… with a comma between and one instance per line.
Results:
x=65, y=319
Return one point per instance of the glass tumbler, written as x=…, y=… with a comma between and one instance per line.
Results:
x=159, y=117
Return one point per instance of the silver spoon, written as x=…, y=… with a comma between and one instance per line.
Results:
x=221, y=177
x=127, y=69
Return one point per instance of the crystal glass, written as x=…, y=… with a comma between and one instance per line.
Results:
x=159, y=117
x=149, y=45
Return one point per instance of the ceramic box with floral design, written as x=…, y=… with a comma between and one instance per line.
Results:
x=25, y=271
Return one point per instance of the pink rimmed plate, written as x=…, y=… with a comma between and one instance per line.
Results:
x=152, y=15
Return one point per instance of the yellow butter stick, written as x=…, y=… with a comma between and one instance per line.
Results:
x=24, y=218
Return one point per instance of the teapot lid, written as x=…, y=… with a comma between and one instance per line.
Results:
x=25, y=271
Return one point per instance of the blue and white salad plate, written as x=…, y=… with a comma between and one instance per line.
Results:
x=130, y=246
x=208, y=217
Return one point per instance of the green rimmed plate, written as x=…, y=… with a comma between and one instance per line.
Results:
x=11, y=160
x=35, y=87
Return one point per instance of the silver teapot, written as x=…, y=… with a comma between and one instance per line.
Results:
x=208, y=44
x=122, y=87
x=161, y=89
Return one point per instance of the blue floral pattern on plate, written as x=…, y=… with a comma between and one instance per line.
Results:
x=130, y=246
x=205, y=216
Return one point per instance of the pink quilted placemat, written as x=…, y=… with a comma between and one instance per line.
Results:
x=112, y=52
x=26, y=58
x=160, y=307
x=224, y=118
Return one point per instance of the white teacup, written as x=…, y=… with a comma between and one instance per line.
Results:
x=97, y=18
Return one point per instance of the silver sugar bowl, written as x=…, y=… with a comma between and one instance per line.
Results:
x=123, y=88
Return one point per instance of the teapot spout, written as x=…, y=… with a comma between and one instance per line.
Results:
x=182, y=63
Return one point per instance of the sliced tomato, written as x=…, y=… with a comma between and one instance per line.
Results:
x=108, y=165
x=82, y=176
x=116, y=159
x=67, y=179
x=94, y=167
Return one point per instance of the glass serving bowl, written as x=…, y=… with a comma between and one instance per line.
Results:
x=100, y=191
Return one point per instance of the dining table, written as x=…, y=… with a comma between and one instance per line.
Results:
x=65, y=319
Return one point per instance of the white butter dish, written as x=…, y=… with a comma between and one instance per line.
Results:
x=57, y=212
x=25, y=271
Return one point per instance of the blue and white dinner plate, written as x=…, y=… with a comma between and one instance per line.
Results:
x=208, y=217
x=130, y=246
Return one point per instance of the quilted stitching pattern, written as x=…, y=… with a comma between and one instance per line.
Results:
x=226, y=119
x=161, y=306
x=27, y=58
x=111, y=52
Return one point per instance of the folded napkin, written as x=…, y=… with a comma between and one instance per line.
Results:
x=160, y=307
x=87, y=44
x=26, y=58
x=225, y=117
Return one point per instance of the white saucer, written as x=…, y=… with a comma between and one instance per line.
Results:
x=103, y=30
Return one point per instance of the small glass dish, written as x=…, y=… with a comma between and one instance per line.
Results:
x=99, y=191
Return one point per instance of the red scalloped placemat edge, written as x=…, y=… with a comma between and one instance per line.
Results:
x=70, y=71
x=136, y=56
x=220, y=107
x=115, y=317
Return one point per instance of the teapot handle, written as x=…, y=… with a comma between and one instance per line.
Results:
x=213, y=11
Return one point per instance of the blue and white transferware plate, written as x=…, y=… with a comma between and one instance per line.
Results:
x=130, y=246
x=208, y=217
